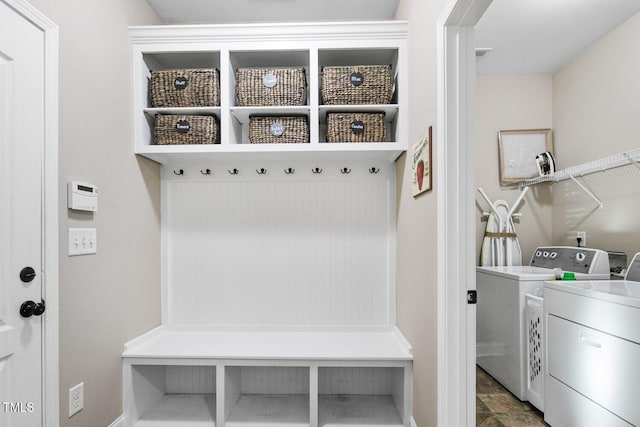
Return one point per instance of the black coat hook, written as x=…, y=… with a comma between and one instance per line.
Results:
x=233, y=171
x=374, y=170
x=345, y=170
x=179, y=172
x=205, y=172
x=316, y=170
x=261, y=171
x=289, y=171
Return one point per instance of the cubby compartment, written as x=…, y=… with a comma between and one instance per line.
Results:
x=157, y=61
x=173, y=395
x=361, y=396
x=261, y=396
x=349, y=57
x=390, y=120
x=240, y=115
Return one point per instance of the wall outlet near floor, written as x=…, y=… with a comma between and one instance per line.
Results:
x=76, y=399
x=582, y=236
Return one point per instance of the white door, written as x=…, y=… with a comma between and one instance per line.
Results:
x=21, y=219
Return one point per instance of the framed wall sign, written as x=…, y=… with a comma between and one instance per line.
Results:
x=421, y=163
x=518, y=150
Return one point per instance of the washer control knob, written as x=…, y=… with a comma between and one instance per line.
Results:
x=538, y=254
x=553, y=255
x=545, y=254
x=580, y=256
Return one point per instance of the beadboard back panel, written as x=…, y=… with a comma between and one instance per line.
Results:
x=357, y=380
x=190, y=379
x=277, y=248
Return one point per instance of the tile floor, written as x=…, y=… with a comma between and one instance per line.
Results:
x=496, y=407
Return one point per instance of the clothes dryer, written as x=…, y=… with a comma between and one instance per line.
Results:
x=592, y=375
x=501, y=330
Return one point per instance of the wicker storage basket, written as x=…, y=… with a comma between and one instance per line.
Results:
x=176, y=129
x=185, y=88
x=270, y=86
x=360, y=84
x=275, y=130
x=355, y=127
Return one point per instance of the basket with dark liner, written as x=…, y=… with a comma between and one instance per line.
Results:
x=185, y=88
x=277, y=130
x=270, y=86
x=355, y=127
x=359, y=84
x=181, y=130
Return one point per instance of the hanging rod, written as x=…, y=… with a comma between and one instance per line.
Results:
x=600, y=165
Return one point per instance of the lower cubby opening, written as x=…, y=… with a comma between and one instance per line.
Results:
x=174, y=395
x=257, y=396
x=360, y=396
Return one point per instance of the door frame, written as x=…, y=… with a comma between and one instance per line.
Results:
x=456, y=226
x=50, y=335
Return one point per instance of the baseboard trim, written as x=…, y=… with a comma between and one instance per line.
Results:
x=413, y=423
x=119, y=422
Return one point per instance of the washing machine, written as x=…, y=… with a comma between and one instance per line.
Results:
x=501, y=331
x=592, y=374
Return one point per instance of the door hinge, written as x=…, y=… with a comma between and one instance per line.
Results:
x=472, y=297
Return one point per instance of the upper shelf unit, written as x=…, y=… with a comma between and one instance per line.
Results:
x=307, y=46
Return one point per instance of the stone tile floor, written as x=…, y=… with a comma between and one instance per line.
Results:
x=497, y=407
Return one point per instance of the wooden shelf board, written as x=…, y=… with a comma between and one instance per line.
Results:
x=343, y=346
x=317, y=151
x=206, y=111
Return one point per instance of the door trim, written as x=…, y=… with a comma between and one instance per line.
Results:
x=456, y=232
x=50, y=358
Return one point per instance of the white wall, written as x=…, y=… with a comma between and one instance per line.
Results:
x=108, y=298
x=417, y=232
x=596, y=113
x=508, y=102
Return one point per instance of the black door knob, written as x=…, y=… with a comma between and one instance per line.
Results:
x=26, y=309
x=39, y=308
x=27, y=274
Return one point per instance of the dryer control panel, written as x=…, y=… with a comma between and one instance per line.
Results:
x=569, y=258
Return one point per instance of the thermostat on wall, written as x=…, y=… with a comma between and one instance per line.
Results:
x=82, y=196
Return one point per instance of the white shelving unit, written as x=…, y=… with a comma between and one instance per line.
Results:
x=278, y=260
x=310, y=46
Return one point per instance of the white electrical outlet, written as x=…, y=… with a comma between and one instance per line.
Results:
x=582, y=235
x=76, y=399
x=82, y=241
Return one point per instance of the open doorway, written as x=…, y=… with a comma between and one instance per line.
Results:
x=457, y=210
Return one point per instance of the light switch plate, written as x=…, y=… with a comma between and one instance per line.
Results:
x=82, y=241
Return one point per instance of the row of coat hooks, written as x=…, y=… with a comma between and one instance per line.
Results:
x=287, y=171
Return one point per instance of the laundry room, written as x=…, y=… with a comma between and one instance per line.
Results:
x=583, y=96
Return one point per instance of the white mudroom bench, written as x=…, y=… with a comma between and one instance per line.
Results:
x=265, y=378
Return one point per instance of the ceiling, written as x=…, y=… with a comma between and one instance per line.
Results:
x=240, y=11
x=540, y=36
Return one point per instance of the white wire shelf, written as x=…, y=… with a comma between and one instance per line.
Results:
x=600, y=165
